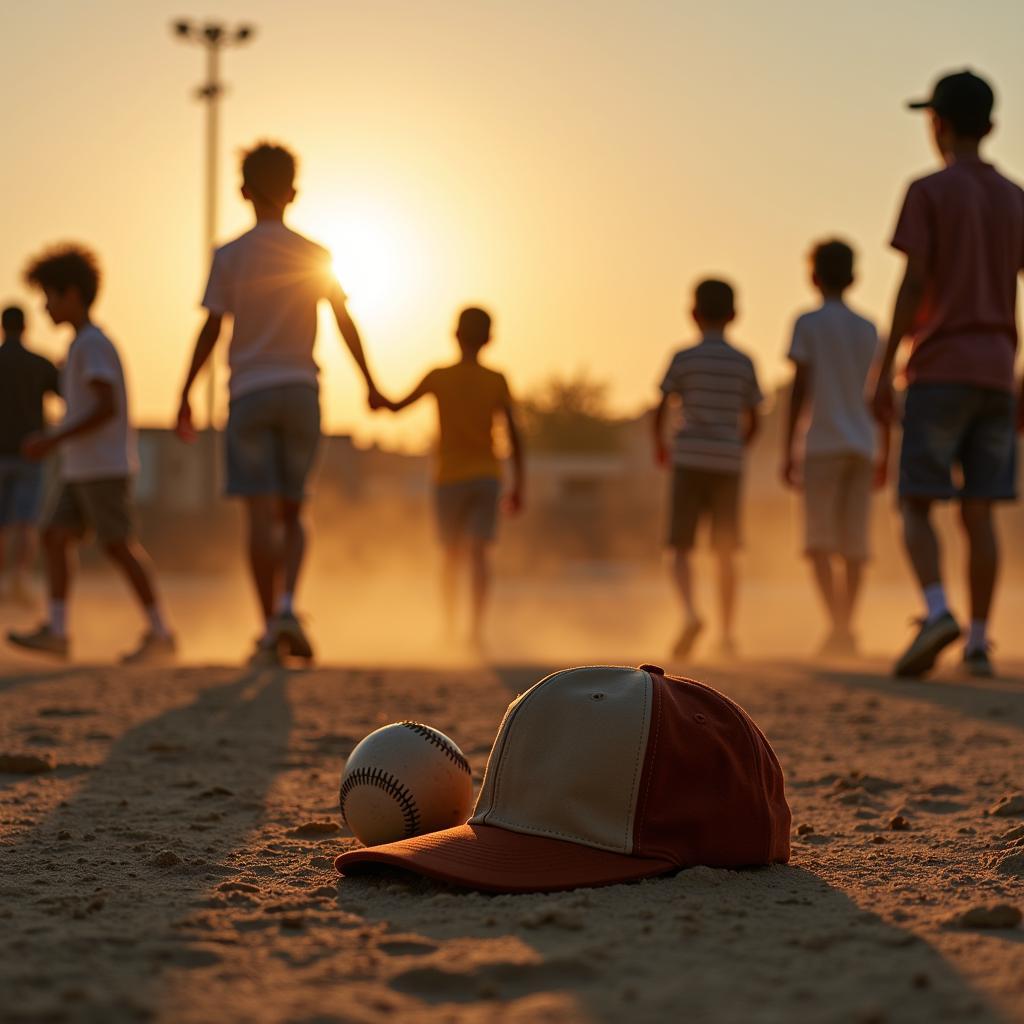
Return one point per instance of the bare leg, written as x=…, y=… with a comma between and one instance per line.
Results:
x=727, y=593
x=24, y=551
x=480, y=579
x=450, y=585
x=57, y=544
x=683, y=579
x=264, y=552
x=854, y=577
x=132, y=560
x=294, y=544
x=983, y=557
x=821, y=563
x=920, y=540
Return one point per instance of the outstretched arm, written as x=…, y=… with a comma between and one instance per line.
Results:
x=205, y=344
x=908, y=300
x=421, y=389
x=350, y=333
x=38, y=446
x=660, y=448
x=797, y=402
x=518, y=494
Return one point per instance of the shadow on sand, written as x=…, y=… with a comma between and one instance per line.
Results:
x=92, y=894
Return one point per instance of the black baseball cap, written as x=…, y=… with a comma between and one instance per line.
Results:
x=963, y=98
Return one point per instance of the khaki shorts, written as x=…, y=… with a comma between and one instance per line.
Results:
x=103, y=507
x=837, y=504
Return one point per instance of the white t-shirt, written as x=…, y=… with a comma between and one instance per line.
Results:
x=838, y=347
x=109, y=451
x=269, y=280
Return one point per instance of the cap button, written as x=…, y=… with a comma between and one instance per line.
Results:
x=655, y=670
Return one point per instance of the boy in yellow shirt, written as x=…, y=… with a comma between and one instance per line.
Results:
x=469, y=473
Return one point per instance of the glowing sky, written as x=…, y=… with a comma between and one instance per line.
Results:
x=574, y=165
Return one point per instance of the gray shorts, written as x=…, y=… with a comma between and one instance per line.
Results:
x=272, y=439
x=21, y=483
x=468, y=510
x=103, y=507
x=837, y=504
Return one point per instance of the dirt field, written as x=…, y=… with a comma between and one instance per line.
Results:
x=165, y=870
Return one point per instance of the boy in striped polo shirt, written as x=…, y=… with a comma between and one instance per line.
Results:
x=717, y=387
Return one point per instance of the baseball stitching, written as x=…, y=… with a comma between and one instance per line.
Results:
x=447, y=749
x=387, y=782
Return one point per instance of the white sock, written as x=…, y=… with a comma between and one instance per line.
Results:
x=935, y=598
x=284, y=603
x=977, y=635
x=156, y=620
x=58, y=617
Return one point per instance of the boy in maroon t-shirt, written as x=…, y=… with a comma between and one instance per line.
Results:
x=962, y=231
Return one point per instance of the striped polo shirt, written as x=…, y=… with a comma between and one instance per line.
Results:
x=716, y=384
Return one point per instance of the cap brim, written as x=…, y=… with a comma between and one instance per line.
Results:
x=919, y=104
x=497, y=860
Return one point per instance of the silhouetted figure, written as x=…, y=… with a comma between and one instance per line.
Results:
x=98, y=460
x=470, y=397
x=269, y=281
x=25, y=380
x=717, y=387
x=962, y=231
x=833, y=349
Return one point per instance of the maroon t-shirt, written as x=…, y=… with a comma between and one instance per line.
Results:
x=967, y=223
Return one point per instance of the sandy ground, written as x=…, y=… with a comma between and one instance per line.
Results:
x=164, y=869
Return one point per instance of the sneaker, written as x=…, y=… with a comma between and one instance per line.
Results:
x=153, y=649
x=264, y=655
x=687, y=638
x=978, y=664
x=44, y=640
x=288, y=633
x=929, y=643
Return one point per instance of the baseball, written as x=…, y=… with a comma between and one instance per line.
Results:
x=404, y=780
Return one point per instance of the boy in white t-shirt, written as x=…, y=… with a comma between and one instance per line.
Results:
x=98, y=460
x=270, y=281
x=833, y=349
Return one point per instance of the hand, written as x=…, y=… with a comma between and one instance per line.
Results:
x=37, y=446
x=184, y=427
x=514, y=500
x=789, y=474
x=661, y=455
x=881, y=477
x=882, y=402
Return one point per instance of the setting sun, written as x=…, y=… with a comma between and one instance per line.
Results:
x=375, y=257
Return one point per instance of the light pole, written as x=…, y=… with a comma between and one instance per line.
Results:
x=214, y=37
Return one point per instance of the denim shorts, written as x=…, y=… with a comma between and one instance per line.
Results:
x=272, y=439
x=468, y=510
x=959, y=441
x=21, y=484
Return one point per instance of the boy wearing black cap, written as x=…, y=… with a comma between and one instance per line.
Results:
x=962, y=232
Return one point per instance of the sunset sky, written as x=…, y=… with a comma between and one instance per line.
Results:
x=573, y=165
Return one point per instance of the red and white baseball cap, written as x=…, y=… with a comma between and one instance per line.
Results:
x=601, y=775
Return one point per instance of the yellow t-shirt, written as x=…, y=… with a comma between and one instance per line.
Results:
x=468, y=395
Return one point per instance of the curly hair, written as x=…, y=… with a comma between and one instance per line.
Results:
x=66, y=266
